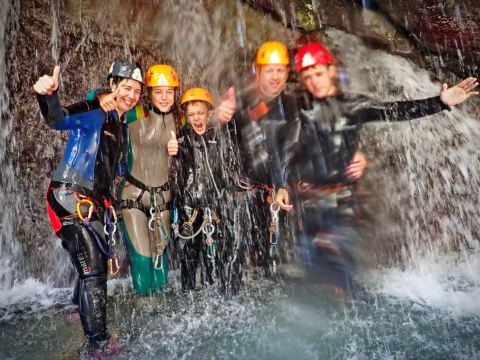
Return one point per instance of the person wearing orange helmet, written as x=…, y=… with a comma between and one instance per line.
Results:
x=205, y=208
x=144, y=193
x=329, y=122
x=261, y=112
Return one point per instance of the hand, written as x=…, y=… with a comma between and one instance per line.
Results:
x=172, y=145
x=459, y=93
x=356, y=168
x=108, y=102
x=47, y=84
x=227, y=107
x=282, y=199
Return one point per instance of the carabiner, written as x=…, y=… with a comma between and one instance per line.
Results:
x=79, y=209
x=111, y=266
x=273, y=235
x=211, y=254
x=114, y=214
x=151, y=224
x=159, y=256
x=163, y=232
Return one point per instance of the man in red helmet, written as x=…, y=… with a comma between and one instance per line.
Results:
x=327, y=140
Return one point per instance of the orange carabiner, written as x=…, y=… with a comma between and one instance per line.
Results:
x=111, y=266
x=79, y=210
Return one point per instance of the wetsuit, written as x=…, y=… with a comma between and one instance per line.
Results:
x=93, y=155
x=148, y=178
x=326, y=136
x=263, y=143
x=203, y=191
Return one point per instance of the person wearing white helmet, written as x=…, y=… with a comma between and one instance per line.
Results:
x=79, y=198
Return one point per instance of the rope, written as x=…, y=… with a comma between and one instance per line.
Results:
x=87, y=223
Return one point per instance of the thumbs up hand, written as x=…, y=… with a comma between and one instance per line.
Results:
x=227, y=107
x=172, y=145
x=47, y=84
x=108, y=102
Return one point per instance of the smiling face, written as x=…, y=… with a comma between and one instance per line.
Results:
x=320, y=80
x=129, y=95
x=198, y=115
x=163, y=97
x=272, y=79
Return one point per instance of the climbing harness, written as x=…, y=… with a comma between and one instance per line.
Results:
x=156, y=224
x=207, y=227
x=109, y=229
x=274, y=209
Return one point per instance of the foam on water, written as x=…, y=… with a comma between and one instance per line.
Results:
x=448, y=283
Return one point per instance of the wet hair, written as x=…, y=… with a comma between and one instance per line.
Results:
x=193, y=102
x=177, y=113
x=116, y=80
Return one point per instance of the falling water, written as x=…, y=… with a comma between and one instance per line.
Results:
x=419, y=295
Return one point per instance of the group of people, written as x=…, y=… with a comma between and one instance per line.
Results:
x=202, y=186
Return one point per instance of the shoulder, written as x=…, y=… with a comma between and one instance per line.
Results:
x=137, y=113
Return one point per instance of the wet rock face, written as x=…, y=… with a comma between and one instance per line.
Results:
x=443, y=25
x=346, y=15
x=403, y=27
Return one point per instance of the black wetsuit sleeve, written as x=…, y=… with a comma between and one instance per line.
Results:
x=401, y=110
x=55, y=114
x=50, y=108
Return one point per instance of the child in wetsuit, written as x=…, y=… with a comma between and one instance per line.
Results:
x=204, y=209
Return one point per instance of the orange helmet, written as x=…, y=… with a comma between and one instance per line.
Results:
x=197, y=94
x=162, y=75
x=272, y=52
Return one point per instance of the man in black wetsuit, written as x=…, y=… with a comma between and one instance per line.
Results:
x=79, y=194
x=260, y=111
x=326, y=134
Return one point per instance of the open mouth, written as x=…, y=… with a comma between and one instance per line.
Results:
x=198, y=126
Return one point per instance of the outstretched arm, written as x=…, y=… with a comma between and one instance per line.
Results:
x=414, y=109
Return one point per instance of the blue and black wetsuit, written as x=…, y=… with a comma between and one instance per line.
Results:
x=93, y=156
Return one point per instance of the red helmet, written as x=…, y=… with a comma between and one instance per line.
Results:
x=311, y=55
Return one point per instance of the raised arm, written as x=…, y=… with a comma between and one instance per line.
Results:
x=58, y=117
x=414, y=109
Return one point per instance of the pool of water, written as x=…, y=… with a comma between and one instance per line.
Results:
x=414, y=313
